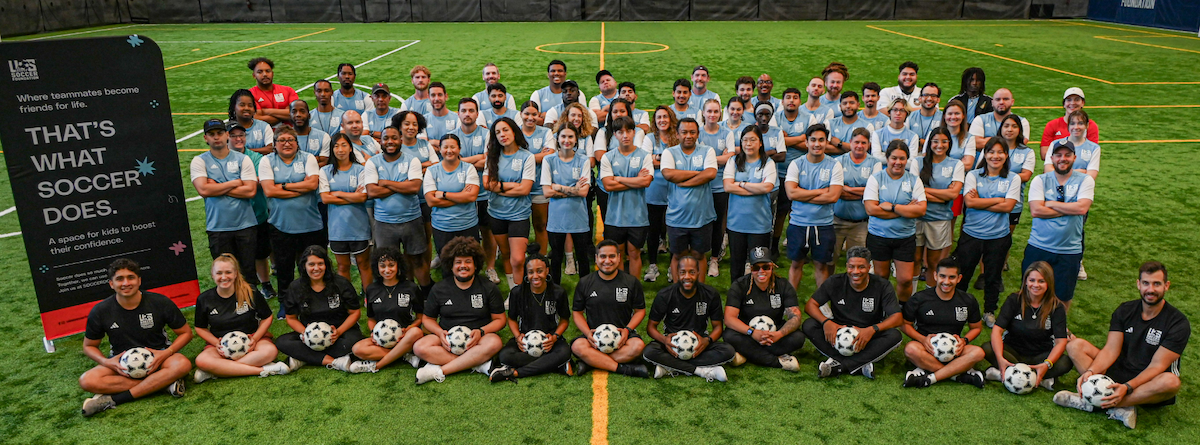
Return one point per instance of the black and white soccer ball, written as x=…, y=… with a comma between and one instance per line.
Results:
x=318, y=335
x=234, y=345
x=458, y=337
x=844, y=340
x=136, y=362
x=762, y=323
x=607, y=337
x=533, y=343
x=1020, y=379
x=386, y=333
x=684, y=343
x=944, y=346
x=1095, y=389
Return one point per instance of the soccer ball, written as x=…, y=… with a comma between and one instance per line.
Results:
x=533, y=343
x=1095, y=389
x=234, y=345
x=1019, y=379
x=762, y=323
x=318, y=336
x=844, y=340
x=607, y=337
x=136, y=362
x=386, y=333
x=684, y=343
x=458, y=337
x=944, y=346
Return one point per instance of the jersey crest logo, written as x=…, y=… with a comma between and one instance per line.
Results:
x=334, y=302
x=242, y=308
x=1086, y=154
x=863, y=171
x=146, y=320
x=551, y=308
x=403, y=300
x=696, y=159
x=906, y=187
x=1072, y=189
x=1153, y=336
x=476, y=140
x=1047, y=324
x=960, y=314
x=1002, y=185
x=477, y=301
x=1018, y=158
x=776, y=302
x=462, y=176
x=515, y=165
x=424, y=152
x=298, y=167
x=868, y=304
x=946, y=171
x=622, y=294
x=824, y=176
x=231, y=166
x=701, y=308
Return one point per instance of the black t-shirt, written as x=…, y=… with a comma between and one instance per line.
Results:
x=331, y=305
x=224, y=315
x=401, y=302
x=752, y=301
x=1169, y=329
x=609, y=301
x=679, y=313
x=471, y=307
x=538, y=312
x=931, y=315
x=1025, y=333
x=859, y=309
x=142, y=327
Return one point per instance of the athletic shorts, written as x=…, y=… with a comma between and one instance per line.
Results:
x=936, y=235
x=782, y=203
x=262, y=244
x=440, y=238
x=539, y=199
x=889, y=249
x=635, y=236
x=513, y=229
x=1014, y=218
x=811, y=242
x=698, y=239
x=348, y=247
x=485, y=220
x=426, y=212
x=410, y=235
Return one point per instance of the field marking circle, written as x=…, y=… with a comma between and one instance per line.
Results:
x=661, y=48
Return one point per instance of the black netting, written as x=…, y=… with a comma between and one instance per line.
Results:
x=306, y=10
x=515, y=10
x=791, y=9
x=569, y=10
x=167, y=11
x=861, y=9
x=19, y=17
x=235, y=10
x=654, y=10
x=928, y=9
x=446, y=10
x=724, y=9
x=996, y=9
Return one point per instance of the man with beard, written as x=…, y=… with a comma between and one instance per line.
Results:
x=834, y=75
x=762, y=294
x=548, y=96
x=1146, y=337
x=312, y=141
x=326, y=117
x=419, y=101
x=272, y=99
x=439, y=121
x=570, y=94
x=381, y=114
x=681, y=92
x=393, y=179
x=870, y=112
x=473, y=141
x=765, y=85
x=987, y=125
x=813, y=184
x=1059, y=202
x=841, y=128
x=608, y=92
x=907, y=88
x=928, y=116
x=364, y=145
x=641, y=118
x=496, y=94
x=609, y=296
x=228, y=181
x=688, y=305
x=347, y=97
x=970, y=93
x=491, y=75
x=700, y=91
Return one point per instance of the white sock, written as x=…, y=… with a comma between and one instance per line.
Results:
x=932, y=378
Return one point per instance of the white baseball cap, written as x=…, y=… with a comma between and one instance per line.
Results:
x=1073, y=91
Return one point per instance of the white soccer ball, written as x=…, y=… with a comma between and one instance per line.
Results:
x=684, y=343
x=1020, y=379
x=762, y=323
x=844, y=340
x=1095, y=389
x=136, y=362
x=944, y=346
x=458, y=337
x=235, y=345
x=533, y=343
x=386, y=333
x=318, y=336
x=607, y=337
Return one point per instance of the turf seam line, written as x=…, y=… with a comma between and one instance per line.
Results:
x=83, y=32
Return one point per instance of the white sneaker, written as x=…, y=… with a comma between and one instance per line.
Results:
x=662, y=247
x=1048, y=384
x=651, y=274
x=177, y=389
x=989, y=319
x=993, y=374
x=484, y=368
x=1072, y=400
x=868, y=371
x=294, y=364
x=202, y=375
x=714, y=267
x=362, y=366
x=1127, y=415
x=276, y=368
x=493, y=276
x=747, y=271
x=570, y=268
x=670, y=277
x=1083, y=276
x=660, y=372
x=437, y=261
x=412, y=359
x=509, y=282
x=341, y=363
x=711, y=373
x=430, y=372
x=789, y=363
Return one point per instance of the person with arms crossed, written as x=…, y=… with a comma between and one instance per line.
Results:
x=971, y=94
x=412, y=125
x=320, y=295
x=393, y=180
x=991, y=191
x=233, y=306
x=541, y=144
x=419, y=101
x=762, y=294
x=625, y=173
x=688, y=305
x=451, y=187
x=584, y=130
x=272, y=99
x=894, y=199
x=566, y=180
x=814, y=183
x=870, y=113
x=391, y=296
x=228, y=182
x=491, y=75
x=290, y=178
x=666, y=135
x=689, y=167
x=473, y=140
x=849, y=214
x=942, y=178
x=1059, y=203
x=906, y=87
x=720, y=139
x=439, y=121
x=641, y=118
x=859, y=300
x=325, y=117
x=381, y=114
x=347, y=97
x=509, y=174
x=942, y=309
x=535, y=305
x=259, y=134
x=262, y=238
x=1031, y=329
x=609, y=296
x=749, y=182
x=311, y=140
x=342, y=185
x=737, y=116
x=1021, y=162
x=895, y=130
x=1057, y=129
x=987, y=125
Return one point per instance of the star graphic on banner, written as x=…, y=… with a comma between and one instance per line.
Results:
x=178, y=247
x=134, y=41
x=145, y=166
x=44, y=268
x=154, y=104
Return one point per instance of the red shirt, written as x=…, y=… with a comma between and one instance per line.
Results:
x=1057, y=129
x=278, y=98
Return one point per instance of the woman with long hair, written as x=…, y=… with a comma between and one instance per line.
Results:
x=509, y=173
x=665, y=135
x=991, y=192
x=566, y=180
x=579, y=116
x=606, y=141
x=541, y=305
x=942, y=177
x=749, y=182
x=1021, y=161
x=894, y=199
x=391, y=296
x=343, y=189
x=320, y=295
x=1031, y=329
x=233, y=306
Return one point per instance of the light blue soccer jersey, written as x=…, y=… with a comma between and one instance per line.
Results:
x=720, y=142
x=626, y=208
x=315, y=143
x=751, y=214
x=983, y=224
x=855, y=175
x=226, y=213
x=922, y=125
x=489, y=116
x=481, y=98
x=360, y=101
x=436, y=127
x=516, y=167
x=896, y=191
x=660, y=187
x=396, y=208
x=944, y=174
x=843, y=131
x=697, y=100
x=541, y=138
x=887, y=134
x=291, y=215
x=875, y=123
x=690, y=207
x=329, y=122
x=373, y=122
x=1062, y=235
x=259, y=202
x=347, y=222
x=421, y=106
x=570, y=215
x=259, y=135
x=473, y=144
x=457, y=217
x=1016, y=163
x=1084, y=154
x=810, y=175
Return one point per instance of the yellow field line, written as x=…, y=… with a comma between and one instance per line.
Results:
x=249, y=49
x=221, y=113
x=599, y=407
x=1056, y=107
x=601, y=45
x=966, y=25
x=1154, y=141
x=1156, y=83
x=1184, y=36
x=1113, y=39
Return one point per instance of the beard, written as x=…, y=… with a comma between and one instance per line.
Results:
x=464, y=279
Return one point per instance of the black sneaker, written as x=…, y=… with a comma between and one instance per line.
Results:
x=971, y=377
x=503, y=373
x=267, y=290
x=569, y=369
x=637, y=370
x=582, y=368
x=916, y=380
x=979, y=282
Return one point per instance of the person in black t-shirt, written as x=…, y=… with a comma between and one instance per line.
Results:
x=859, y=300
x=320, y=294
x=609, y=296
x=1031, y=329
x=688, y=305
x=763, y=293
x=132, y=319
x=234, y=306
x=468, y=301
x=1146, y=337
x=942, y=309
x=391, y=296
x=535, y=305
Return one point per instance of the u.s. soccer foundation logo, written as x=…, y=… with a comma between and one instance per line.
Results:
x=23, y=69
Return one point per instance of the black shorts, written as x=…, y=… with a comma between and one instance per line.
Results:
x=513, y=229
x=485, y=220
x=348, y=247
x=1014, y=218
x=440, y=238
x=811, y=242
x=262, y=244
x=782, y=203
x=426, y=212
x=888, y=249
x=635, y=236
x=698, y=239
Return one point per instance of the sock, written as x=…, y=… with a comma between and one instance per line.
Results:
x=932, y=378
x=122, y=397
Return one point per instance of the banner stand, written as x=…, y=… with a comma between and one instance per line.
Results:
x=48, y=344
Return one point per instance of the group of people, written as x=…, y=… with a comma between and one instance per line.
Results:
x=885, y=185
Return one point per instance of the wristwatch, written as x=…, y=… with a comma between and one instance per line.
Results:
x=750, y=331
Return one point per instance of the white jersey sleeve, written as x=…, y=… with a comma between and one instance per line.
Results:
x=428, y=184
x=1094, y=163
x=710, y=160
x=265, y=171
x=414, y=168
x=838, y=175
x=370, y=174
x=310, y=165
x=793, y=173
x=472, y=175
x=551, y=116
x=606, y=167
x=972, y=180
x=1014, y=189
x=976, y=128
x=529, y=169
x=546, y=172
x=198, y=168
x=1030, y=159
x=918, y=192
x=666, y=162
x=770, y=174
x=871, y=191
x=959, y=172
x=1037, y=191
x=1087, y=190
x=322, y=182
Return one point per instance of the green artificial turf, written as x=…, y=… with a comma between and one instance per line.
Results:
x=1145, y=209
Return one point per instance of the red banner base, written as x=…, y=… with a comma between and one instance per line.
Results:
x=73, y=320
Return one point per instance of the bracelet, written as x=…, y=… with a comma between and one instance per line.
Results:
x=1049, y=364
x=826, y=321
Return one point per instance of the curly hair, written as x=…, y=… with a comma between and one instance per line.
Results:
x=460, y=247
x=585, y=130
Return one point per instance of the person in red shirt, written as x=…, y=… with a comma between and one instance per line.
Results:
x=272, y=99
x=1057, y=128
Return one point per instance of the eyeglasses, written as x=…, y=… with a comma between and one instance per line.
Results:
x=931, y=95
x=760, y=267
x=766, y=82
x=1061, y=194
x=282, y=140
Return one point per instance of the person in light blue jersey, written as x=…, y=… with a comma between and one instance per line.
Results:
x=773, y=149
x=991, y=192
x=962, y=144
x=720, y=139
x=508, y=173
x=896, y=130
x=380, y=115
x=576, y=115
x=419, y=101
x=412, y=124
x=765, y=85
x=834, y=76
x=894, y=199
x=565, y=180
x=259, y=134
x=227, y=181
x=541, y=144
x=666, y=134
x=289, y=178
x=700, y=92
x=737, y=117
x=870, y=102
x=550, y=95
x=681, y=92
x=743, y=89
x=841, y=127
x=311, y=140
x=343, y=188
x=347, y=97
x=815, y=108
x=1087, y=160
x=473, y=140
x=625, y=173
x=262, y=241
x=439, y=121
x=491, y=75
x=849, y=215
x=393, y=181
x=984, y=126
x=641, y=118
x=496, y=94
x=689, y=167
x=451, y=188
x=749, y=182
x=928, y=116
x=942, y=178
x=606, y=141
x=1059, y=202
x=608, y=91
x=1021, y=162
x=325, y=117
x=570, y=95
x=813, y=184
x=365, y=146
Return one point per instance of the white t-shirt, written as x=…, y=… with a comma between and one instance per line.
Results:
x=890, y=94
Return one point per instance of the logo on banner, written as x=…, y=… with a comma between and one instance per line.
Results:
x=146, y=320
x=1138, y=4
x=23, y=69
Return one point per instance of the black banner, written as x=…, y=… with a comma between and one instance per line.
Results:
x=89, y=144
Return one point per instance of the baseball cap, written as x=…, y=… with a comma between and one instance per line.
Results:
x=1065, y=145
x=698, y=68
x=1076, y=91
x=570, y=83
x=381, y=87
x=214, y=124
x=234, y=125
x=602, y=73
x=760, y=255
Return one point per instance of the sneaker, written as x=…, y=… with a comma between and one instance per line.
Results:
x=430, y=372
x=582, y=368
x=202, y=375
x=829, y=368
x=570, y=268
x=670, y=276
x=484, y=368
x=989, y=319
x=868, y=371
x=361, y=366
x=177, y=389
x=341, y=363
x=789, y=363
x=662, y=247
x=493, y=276
x=97, y=403
x=660, y=372
x=979, y=282
x=738, y=359
x=913, y=380
x=501, y=374
x=509, y=280
x=412, y=359
x=568, y=368
x=1083, y=276
x=638, y=370
x=711, y=373
x=892, y=268
x=993, y=374
x=1005, y=269
x=971, y=377
x=294, y=364
x=714, y=267
x=1072, y=400
x=277, y=368
x=1127, y=415
x=437, y=261
x=747, y=270
x=267, y=291
x=1048, y=384
x=651, y=274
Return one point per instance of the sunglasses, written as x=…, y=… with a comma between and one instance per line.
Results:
x=760, y=267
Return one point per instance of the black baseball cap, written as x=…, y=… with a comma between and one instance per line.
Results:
x=214, y=124
x=603, y=73
x=759, y=255
x=1066, y=145
x=234, y=125
x=570, y=83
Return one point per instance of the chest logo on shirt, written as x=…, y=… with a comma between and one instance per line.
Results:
x=231, y=166
x=1153, y=336
x=334, y=302
x=114, y=326
x=403, y=300
x=146, y=320
x=462, y=177
x=477, y=301
x=551, y=308
x=868, y=304
x=424, y=152
x=1072, y=189
x=1047, y=323
x=701, y=308
x=824, y=175
x=906, y=187
x=1086, y=154
x=697, y=159
x=278, y=97
x=863, y=171
x=960, y=314
x=241, y=308
x=516, y=165
x=1018, y=159
x=298, y=167
x=776, y=302
x=622, y=294
x=946, y=171
x=475, y=140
